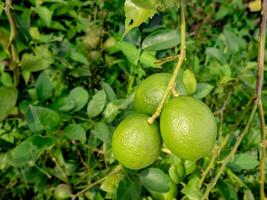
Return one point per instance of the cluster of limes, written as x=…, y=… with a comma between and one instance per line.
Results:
x=187, y=127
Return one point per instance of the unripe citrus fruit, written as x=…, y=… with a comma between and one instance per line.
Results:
x=188, y=127
x=62, y=191
x=135, y=143
x=150, y=92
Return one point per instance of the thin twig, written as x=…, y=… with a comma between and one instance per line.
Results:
x=230, y=155
x=11, y=44
x=166, y=59
x=226, y=102
x=172, y=81
x=216, y=152
x=114, y=171
x=259, y=85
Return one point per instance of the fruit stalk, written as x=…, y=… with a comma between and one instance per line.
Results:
x=11, y=44
x=259, y=85
x=182, y=55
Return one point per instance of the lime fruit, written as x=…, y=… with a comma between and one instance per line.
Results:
x=135, y=143
x=62, y=191
x=150, y=92
x=188, y=127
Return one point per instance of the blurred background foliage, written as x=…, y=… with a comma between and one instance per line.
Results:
x=77, y=78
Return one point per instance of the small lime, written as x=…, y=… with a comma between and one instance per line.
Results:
x=135, y=143
x=150, y=92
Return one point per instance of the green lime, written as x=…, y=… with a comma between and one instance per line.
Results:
x=135, y=143
x=150, y=92
x=62, y=191
x=188, y=127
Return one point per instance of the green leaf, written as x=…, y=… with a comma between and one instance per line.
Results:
x=40, y=60
x=129, y=190
x=137, y=12
x=148, y=59
x=80, y=96
x=216, y=54
x=41, y=118
x=203, y=89
x=111, y=95
x=248, y=195
x=245, y=161
x=64, y=104
x=44, y=87
x=190, y=82
x=77, y=56
x=97, y=104
x=227, y=190
x=161, y=39
x=189, y=166
x=191, y=190
x=8, y=96
x=154, y=180
x=233, y=42
x=45, y=14
x=102, y=132
x=115, y=107
x=111, y=183
x=75, y=132
x=129, y=50
x=30, y=150
x=6, y=79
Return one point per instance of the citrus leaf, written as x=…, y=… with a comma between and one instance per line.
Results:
x=80, y=96
x=111, y=95
x=154, y=180
x=41, y=118
x=8, y=96
x=148, y=59
x=44, y=87
x=245, y=161
x=40, y=60
x=203, y=89
x=75, y=132
x=191, y=190
x=129, y=190
x=137, y=12
x=129, y=50
x=97, y=104
x=45, y=14
x=29, y=150
x=111, y=183
x=161, y=39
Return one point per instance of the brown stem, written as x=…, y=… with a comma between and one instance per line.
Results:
x=177, y=68
x=11, y=44
x=259, y=85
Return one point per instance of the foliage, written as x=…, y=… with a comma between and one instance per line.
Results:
x=77, y=76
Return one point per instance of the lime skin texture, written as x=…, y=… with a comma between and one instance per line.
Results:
x=188, y=127
x=136, y=144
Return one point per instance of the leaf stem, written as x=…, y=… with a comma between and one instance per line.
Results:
x=11, y=44
x=177, y=68
x=259, y=85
